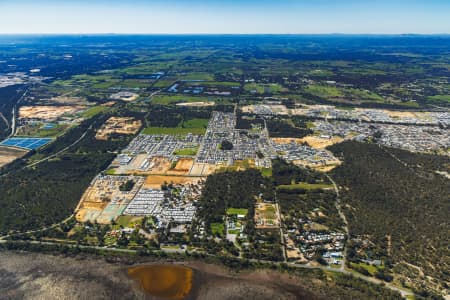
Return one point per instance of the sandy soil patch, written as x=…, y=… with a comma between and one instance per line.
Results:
x=8, y=155
x=159, y=165
x=321, y=143
x=118, y=125
x=196, y=104
x=182, y=167
x=46, y=112
x=104, y=201
x=202, y=169
x=400, y=114
x=328, y=166
x=279, y=109
x=287, y=140
x=155, y=181
x=313, y=141
x=266, y=215
x=155, y=165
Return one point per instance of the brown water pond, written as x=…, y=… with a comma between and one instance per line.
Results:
x=164, y=281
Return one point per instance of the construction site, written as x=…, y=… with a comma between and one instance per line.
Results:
x=118, y=125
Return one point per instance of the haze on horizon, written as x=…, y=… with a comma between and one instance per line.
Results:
x=230, y=16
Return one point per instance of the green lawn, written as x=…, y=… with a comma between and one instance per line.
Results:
x=218, y=228
x=186, y=151
x=304, y=185
x=110, y=172
x=128, y=221
x=173, y=131
x=194, y=123
x=237, y=211
x=266, y=172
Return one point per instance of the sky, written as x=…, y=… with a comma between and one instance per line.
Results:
x=227, y=16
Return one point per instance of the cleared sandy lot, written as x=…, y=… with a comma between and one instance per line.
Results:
x=8, y=155
x=118, y=125
x=46, y=112
x=155, y=181
x=313, y=141
x=196, y=104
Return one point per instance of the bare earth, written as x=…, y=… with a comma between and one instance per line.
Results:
x=313, y=141
x=8, y=155
x=47, y=112
x=155, y=181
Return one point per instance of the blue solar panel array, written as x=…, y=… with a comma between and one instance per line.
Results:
x=26, y=143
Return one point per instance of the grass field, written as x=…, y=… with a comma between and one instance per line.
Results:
x=306, y=186
x=220, y=83
x=164, y=83
x=173, y=131
x=218, y=228
x=440, y=98
x=266, y=172
x=198, y=76
x=237, y=211
x=89, y=113
x=194, y=123
x=324, y=91
x=272, y=88
x=128, y=221
x=186, y=151
x=332, y=92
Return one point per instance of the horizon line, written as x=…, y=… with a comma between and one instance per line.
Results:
x=199, y=33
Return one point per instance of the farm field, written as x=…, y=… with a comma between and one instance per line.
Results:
x=338, y=94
